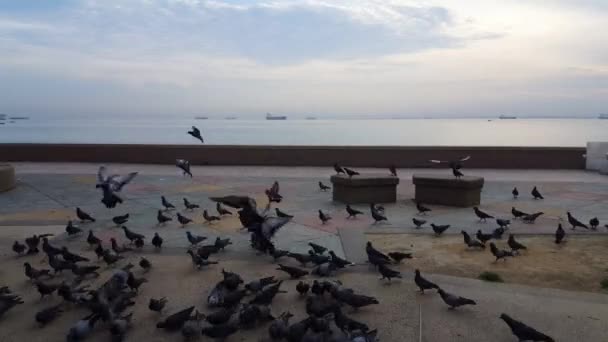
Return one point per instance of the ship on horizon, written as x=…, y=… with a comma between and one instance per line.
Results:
x=275, y=117
x=503, y=117
x=603, y=116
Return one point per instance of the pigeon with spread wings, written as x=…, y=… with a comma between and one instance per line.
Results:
x=452, y=164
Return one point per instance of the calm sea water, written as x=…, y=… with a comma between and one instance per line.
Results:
x=406, y=132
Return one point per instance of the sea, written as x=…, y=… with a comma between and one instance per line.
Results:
x=319, y=132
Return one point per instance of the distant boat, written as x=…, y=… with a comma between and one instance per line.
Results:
x=19, y=118
x=277, y=117
x=311, y=118
x=503, y=117
x=603, y=116
x=231, y=118
x=201, y=117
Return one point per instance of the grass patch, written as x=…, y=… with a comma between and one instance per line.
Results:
x=604, y=284
x=493, y=277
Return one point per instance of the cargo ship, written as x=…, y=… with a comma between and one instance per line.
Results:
x=275, y=117
x=503, y=117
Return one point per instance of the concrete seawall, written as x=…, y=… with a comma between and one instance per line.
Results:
x=377, y=156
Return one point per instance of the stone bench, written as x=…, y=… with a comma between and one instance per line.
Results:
x=365, y=188
x=447, y=190
x=7, y=177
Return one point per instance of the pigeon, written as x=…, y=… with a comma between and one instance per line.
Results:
x=302, y=288
x=110, y=259
x=221, y=316
x=594, y=222
x=388, y=273
x=393, y=170
x=83, y=271
x=258, y=284
x=46, y=316
x=317, y=248
x=424, y=284
x=325, y=269
x=71, y=257
x=59, y=265
x=524, y=332
x=175, y=321
x=92, y=239
x=457, y=173
x=470, y=242
x=220, y=332
x=399, y=256
x=161, y=218
x=376, y=215
x=282, y=214
x=338, y=169
x=273, y=194
x=19, y=248
x=195, y=239
x=454, y=301
x=350, y=172
x=134, y=283
x=418, y=223
x=536, y=194
x=71, y=229
x=157, y=305
x=375, y=256
x=294, y=272
x=49, y=249
x=515, y=193
x=499, y=253
x=514, y=245
x=83, y=216
x=497, y=233
x=110, y=185
x=303, y=259
x=196, y=133
x=318, y=259
x=45, y=289
x=231, y=280
x=352, y=213
x=166, y=204
x=559, y=234
x=422, y=209
x=482, y=215
x=439, y=229
x=324, y=217
x=119, y=249
x=517, y=213
x=347, y=324
x=503, y=223
x=99, y=251
x=222, y=243
x=82, y=328
x=279, y=328
x=452, y=164
x=532, y=217
x=356, y=300
x=34, y=273
x=190, y=206
x=157, y=241
x=121, y=219
x=575, y=223
x=221, y=210
x=145, y=264
x=132, y=236
x=119, y=327
x=198, y=261
x=209, y=219
x=323, y=187
x=266, y=295
x=339, y=262
x=183, y=165
x=183, y=220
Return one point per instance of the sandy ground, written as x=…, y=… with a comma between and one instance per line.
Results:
x=174, y=277
x=579, y=264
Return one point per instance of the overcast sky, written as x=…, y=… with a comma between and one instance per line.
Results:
x=322, y=57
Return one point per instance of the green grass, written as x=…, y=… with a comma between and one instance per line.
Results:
x=604, y=284
x=493, y=277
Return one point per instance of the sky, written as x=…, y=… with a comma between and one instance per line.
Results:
x=437, y=58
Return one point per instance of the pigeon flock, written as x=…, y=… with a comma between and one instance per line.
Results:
x=235, y=304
